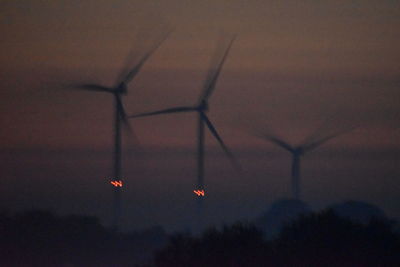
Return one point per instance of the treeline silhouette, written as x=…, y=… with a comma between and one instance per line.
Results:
x=316, y=239
x=41, y=238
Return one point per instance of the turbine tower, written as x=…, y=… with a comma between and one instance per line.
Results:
x=120, y=118
x=297, y=152
x=201, y=108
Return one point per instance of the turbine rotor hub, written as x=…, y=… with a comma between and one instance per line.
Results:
x=299, y=151
x=121, y=89
x=203, y=106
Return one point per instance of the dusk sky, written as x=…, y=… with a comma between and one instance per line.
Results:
x=294, y=66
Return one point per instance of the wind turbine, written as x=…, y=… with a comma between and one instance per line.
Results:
x=201, y=108
x=297, y=152
x=120, y=117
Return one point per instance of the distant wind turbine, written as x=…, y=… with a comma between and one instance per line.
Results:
x=201, y=108
x=297, y=152
x=117, y=91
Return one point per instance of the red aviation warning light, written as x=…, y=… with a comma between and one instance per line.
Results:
x=199, y=193
x=116, y=183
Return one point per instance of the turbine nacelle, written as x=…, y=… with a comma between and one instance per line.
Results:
x=121, y=89
x=203, y=107
x=299, y=151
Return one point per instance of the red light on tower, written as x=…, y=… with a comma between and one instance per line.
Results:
x=199, y=193
x=116, y=183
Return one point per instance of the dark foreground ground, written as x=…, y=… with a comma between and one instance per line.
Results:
x=40, y=238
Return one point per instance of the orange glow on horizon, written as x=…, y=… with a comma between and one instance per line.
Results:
x=116, y=183
x=199, y=193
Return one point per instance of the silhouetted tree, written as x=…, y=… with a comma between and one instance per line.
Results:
x=281, y=212
x=358, y=211
x=41, y=238
x=317, y=239
x=325, y=239
x=236, y=245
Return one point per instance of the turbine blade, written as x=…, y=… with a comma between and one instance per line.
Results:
x=315, y=144
x=279, y=142
x=94, y=87
x=128, y=128
x=220, y=141
x=121, y=109
x=135, y=70
x=318, y=132
x=212, y=77
x=164, y=111
x=124, y=119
